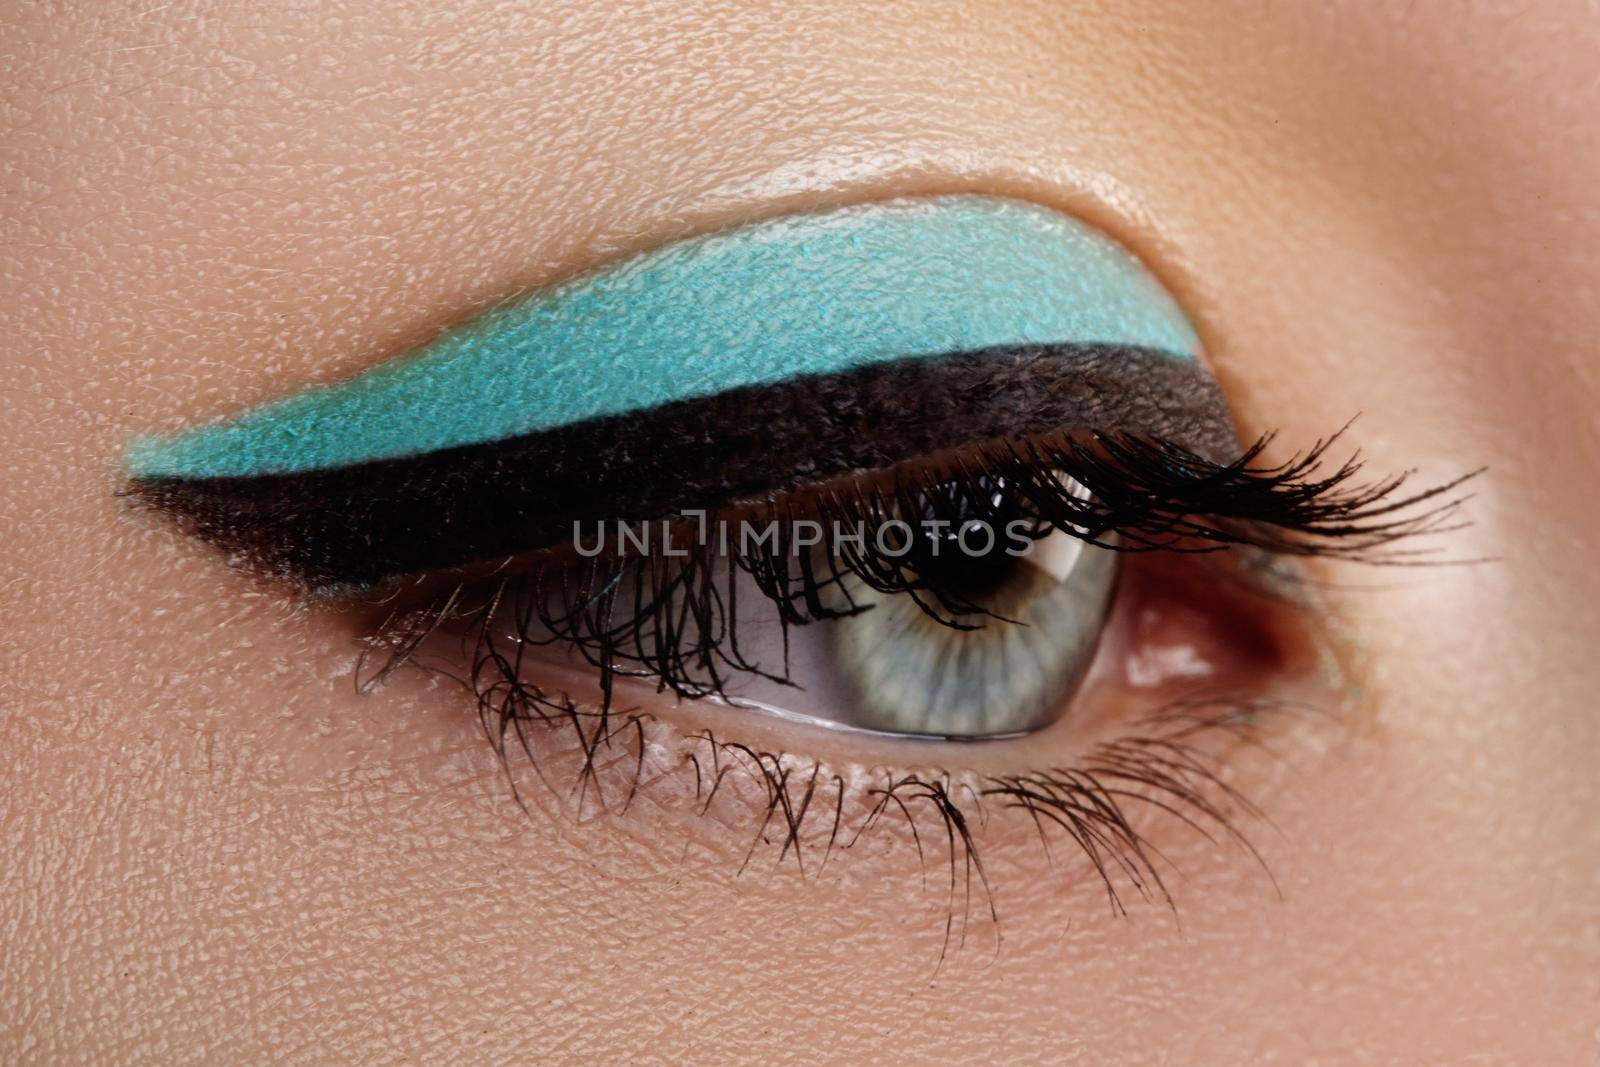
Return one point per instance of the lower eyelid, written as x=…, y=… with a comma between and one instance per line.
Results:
x=766, y=792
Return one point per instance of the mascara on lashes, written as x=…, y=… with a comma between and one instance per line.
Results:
x=741, y=362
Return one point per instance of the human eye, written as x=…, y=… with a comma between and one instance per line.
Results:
x=935, y=497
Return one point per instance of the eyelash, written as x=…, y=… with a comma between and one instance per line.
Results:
x=1146, y=494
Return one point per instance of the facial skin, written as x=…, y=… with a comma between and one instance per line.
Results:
x=218, y=852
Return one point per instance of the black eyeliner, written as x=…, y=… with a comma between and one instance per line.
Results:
x=361, y=524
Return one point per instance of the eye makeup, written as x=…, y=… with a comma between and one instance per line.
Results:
x=356, y=525
x=720, y=370
x=810, y=294
x=946, y=363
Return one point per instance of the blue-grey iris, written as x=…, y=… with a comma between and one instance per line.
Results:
x=910, y=672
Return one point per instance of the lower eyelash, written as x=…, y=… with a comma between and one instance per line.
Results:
x=804, y=813
x=1150, y=494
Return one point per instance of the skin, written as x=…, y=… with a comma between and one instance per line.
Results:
x=219, y=853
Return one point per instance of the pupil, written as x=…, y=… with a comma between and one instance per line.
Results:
x=968, y=556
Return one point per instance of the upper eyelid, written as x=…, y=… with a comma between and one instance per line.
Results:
x=365, y=523
x=805, y=294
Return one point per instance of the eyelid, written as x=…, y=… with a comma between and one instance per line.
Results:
x=806, y=294
x=362, y=524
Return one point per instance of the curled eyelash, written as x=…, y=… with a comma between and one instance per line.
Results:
x=674, y=618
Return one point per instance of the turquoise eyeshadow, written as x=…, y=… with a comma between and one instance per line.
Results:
x=805, y=294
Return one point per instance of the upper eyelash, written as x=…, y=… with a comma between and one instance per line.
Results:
x=681, y=627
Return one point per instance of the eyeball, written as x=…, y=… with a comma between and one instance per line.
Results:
x=1008, y=671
